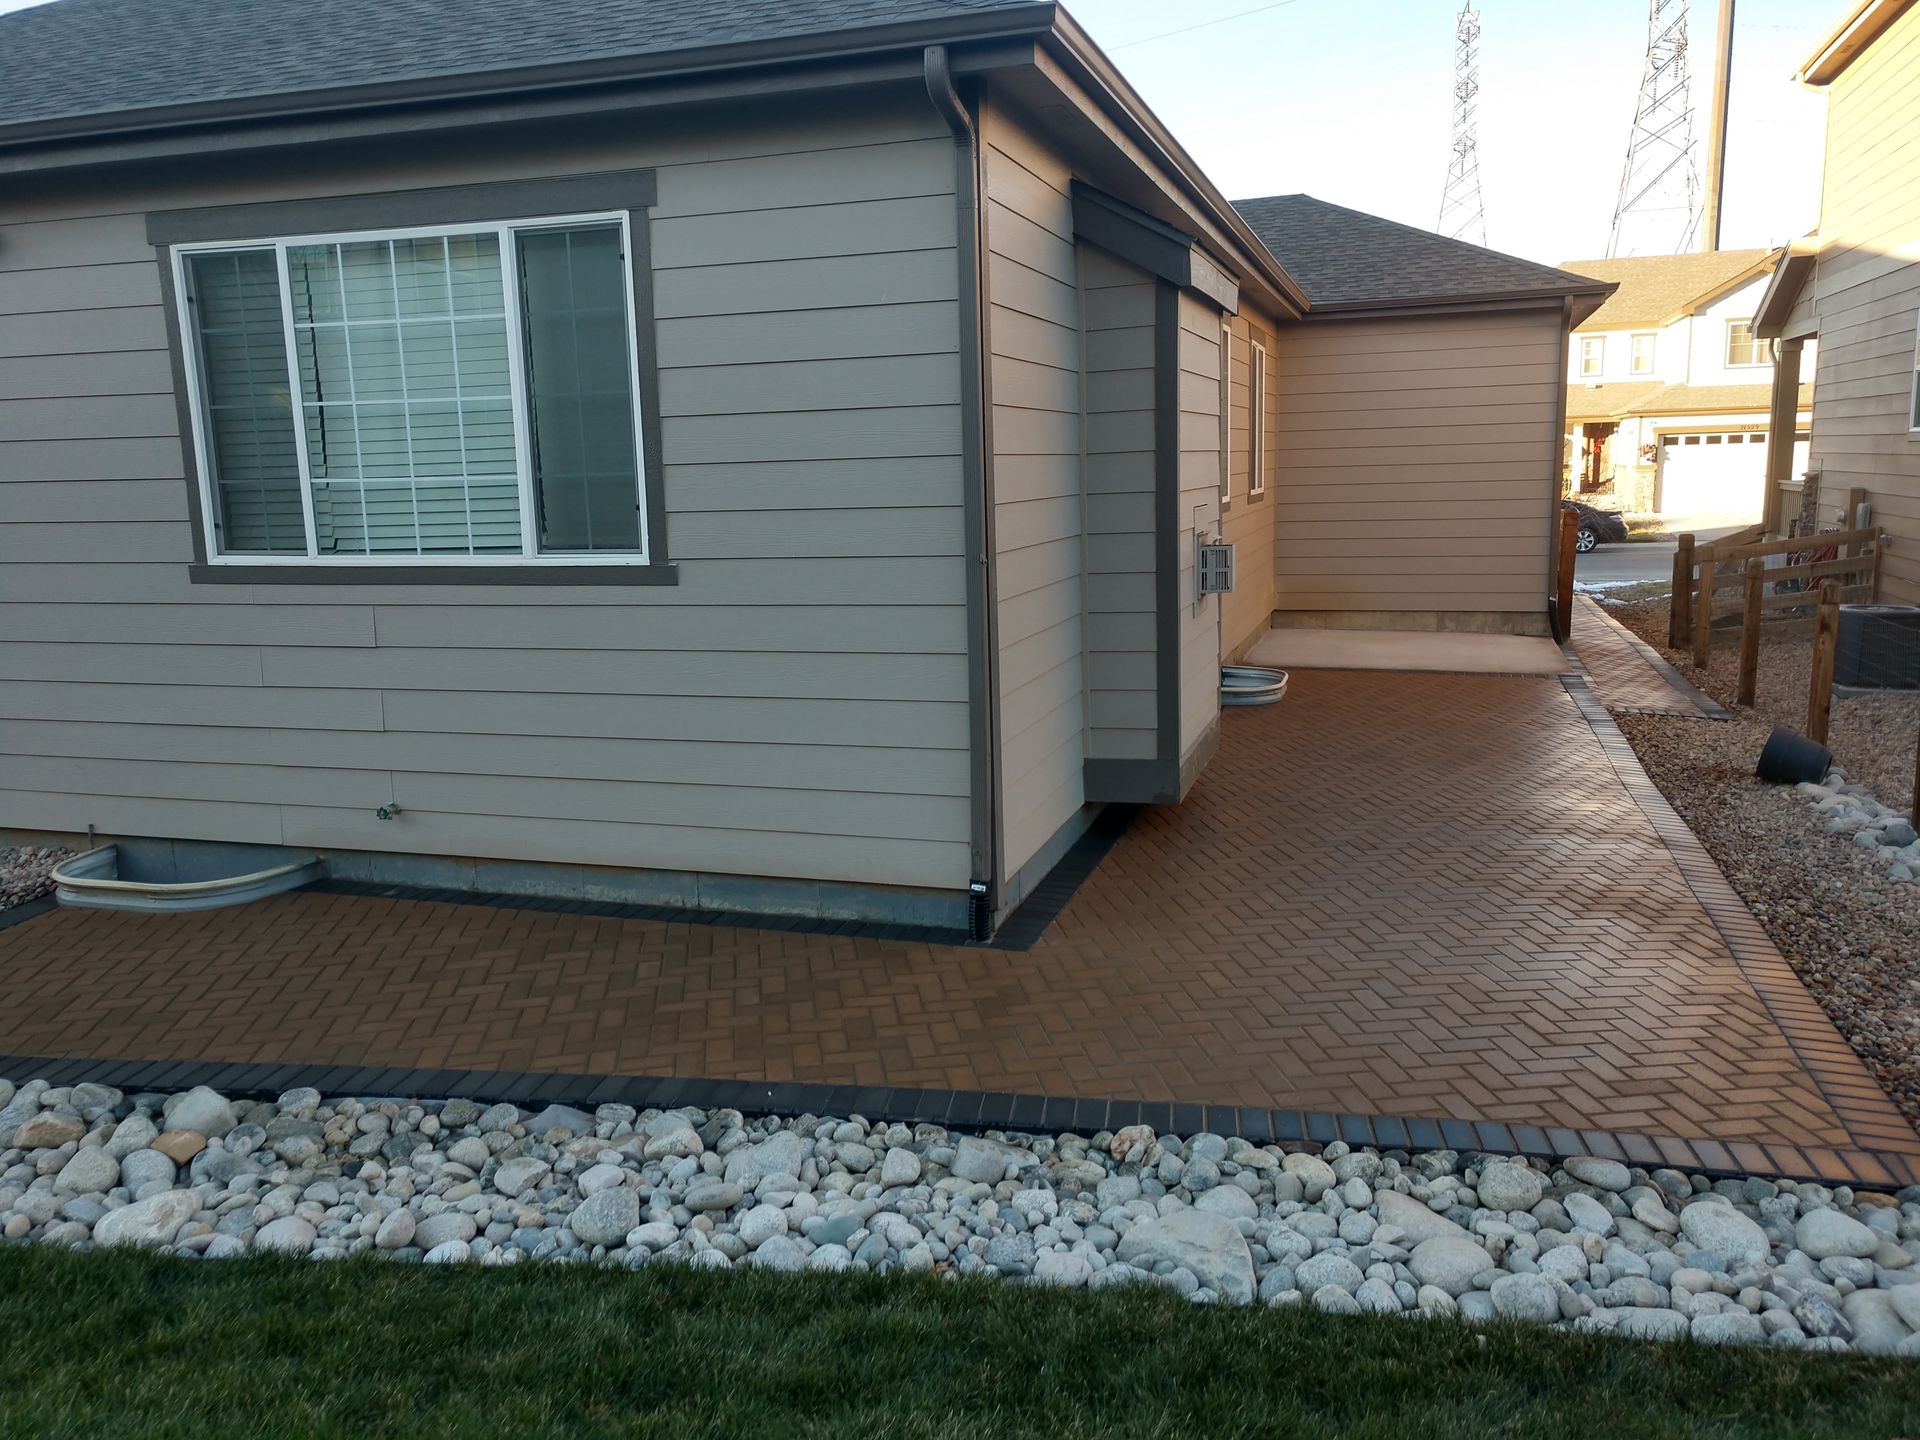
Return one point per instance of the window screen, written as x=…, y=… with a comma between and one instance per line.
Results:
x=580, y=389
x=255, y=471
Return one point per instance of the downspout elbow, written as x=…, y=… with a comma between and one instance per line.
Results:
x=937, y=67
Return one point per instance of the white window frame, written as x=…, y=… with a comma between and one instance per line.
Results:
x=505, y=231
x=1226, y=413
x=1256, y=418
x=1913, y=390
x=1593, y=356
x=1726, y=347
x=1652, y=338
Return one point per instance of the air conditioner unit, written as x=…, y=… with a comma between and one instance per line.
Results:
x=1878, y=647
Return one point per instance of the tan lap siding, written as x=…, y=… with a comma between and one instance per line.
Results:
x=1867, y=297
x=1415, y=464
x=1199, y=620
x=795, y=706
x=1248, y=522
x=1118, y=301
x=1034, y=354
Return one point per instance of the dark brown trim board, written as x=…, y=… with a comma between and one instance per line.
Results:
x=632, y=190
x=1151, y=245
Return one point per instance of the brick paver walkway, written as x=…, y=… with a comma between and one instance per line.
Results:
x=1629, y=675
x=1396, y=894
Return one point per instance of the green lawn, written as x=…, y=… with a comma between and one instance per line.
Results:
x=124, y=1345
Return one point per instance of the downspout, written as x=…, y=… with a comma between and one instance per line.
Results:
x=983, y=718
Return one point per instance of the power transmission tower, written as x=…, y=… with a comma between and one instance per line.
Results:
x=1658, y=211
x=1462, y=217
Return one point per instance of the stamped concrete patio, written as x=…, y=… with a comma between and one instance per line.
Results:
x=1409, y=895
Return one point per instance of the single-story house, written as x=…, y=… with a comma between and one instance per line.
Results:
x=733, y=457
x=1851, y=292
x=1669, y=387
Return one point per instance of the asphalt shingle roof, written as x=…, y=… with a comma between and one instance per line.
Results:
x=78, y=58
x=1656, y=289
x=1618, y=399
x=1348, y=257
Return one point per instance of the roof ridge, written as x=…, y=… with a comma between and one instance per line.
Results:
x=1429, y=235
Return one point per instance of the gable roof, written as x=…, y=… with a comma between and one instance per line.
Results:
x=75, y=61
x=1347, y=259
x=1659, y=289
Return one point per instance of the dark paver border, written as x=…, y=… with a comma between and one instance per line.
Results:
x=1701, y=702
x=1841, y=1077
x=26, y=910
x=971, y=1110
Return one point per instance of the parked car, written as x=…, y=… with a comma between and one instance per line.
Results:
x=1597, y=527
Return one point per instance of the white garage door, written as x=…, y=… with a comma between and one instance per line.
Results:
x=1715, y=473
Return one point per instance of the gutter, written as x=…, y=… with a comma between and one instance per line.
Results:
x=1025, y=20
x=1492, y=300
x=976, y=470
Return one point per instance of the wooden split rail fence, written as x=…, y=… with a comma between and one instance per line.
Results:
x=1737, y=565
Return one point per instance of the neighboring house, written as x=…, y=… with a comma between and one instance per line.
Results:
x=1854, y=288
x=688, y=454
x=1668, y=387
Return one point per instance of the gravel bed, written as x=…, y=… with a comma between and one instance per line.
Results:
x=1850, y=931
x=26, y=872
x=1590, y=1246
x=1872, y=736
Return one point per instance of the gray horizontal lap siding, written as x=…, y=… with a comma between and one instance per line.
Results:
x=1121, y=639
x=1035, y=370
x=795, y=706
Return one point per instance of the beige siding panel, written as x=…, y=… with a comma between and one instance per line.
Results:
x=1034, y=347
x=1199, y=622
x=794, y=706
x=1248, y=522
x=771, y=766
x=1866, y=296
x=1373, y=474
x=1122, y=644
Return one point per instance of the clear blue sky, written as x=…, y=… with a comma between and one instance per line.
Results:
x=1350, y=100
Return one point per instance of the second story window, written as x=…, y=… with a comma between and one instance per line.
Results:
x=1593, y=355
x=1742, y=347
x=1643, y=354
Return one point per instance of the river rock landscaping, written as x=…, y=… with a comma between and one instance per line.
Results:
x=1591, y=1245
x=26, y=872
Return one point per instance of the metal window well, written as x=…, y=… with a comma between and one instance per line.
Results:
x=157, y=877
x=1252, y=685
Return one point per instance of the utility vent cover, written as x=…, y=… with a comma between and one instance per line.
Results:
x=1214, y=565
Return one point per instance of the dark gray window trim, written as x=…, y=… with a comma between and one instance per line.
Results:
x=1153, y=245
x=633, y=191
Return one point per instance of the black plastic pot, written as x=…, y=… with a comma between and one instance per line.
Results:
x=1790, y=758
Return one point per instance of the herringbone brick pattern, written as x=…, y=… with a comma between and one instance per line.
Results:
x=1394, y=894
x=1627, y=674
